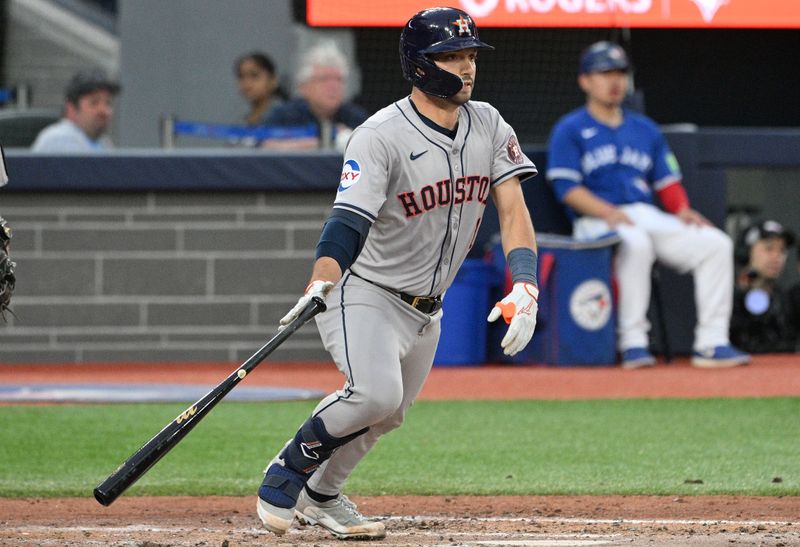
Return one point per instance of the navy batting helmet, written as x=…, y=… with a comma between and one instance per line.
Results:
x=603, y=57
x=436, y=30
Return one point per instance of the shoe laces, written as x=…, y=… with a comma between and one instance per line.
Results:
x=350, y=506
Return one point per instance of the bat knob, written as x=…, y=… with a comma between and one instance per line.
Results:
x=319, y=303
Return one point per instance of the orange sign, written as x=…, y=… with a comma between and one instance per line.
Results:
x=568, y=13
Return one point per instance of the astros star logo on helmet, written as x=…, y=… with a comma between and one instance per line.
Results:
x=463, y=26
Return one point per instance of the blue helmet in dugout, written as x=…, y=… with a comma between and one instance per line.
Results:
x=603, y=57
x=436, y=30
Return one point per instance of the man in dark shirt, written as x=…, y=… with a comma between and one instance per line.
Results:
x=319, y=117
x=764, y=317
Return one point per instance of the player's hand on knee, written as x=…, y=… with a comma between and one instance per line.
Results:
x=315, y=288
x=518, y=309
x=616, y=216
x=690, y=216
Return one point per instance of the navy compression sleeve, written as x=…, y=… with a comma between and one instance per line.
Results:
x=343, y=237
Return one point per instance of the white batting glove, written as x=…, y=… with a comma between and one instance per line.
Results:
x=315, y=288
x=519, y=309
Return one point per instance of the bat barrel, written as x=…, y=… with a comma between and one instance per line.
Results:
x=148, y=455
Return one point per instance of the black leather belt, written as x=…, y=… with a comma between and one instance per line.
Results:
x=426, y=304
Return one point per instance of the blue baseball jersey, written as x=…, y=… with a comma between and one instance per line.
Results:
x=623, y=164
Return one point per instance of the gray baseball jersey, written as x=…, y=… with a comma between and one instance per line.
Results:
x=423, y=192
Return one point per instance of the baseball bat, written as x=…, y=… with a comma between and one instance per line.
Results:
x=157, y=447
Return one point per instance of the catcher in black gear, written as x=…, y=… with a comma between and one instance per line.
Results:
x=7, y=278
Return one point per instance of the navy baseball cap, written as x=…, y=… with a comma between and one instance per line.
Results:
x=603, y=57
x=87, y=82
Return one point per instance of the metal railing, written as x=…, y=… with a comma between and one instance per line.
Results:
x=171, y=128
x=18, y=96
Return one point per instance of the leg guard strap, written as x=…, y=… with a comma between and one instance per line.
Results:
x=281, y=486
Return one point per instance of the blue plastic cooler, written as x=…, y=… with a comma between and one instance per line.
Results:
x=576, y=320
x=465, y=308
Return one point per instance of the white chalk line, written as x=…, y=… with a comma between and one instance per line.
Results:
x=422, y=519
x=580, y=520
x=503, y=538
x=429, y=518
x=258, y=531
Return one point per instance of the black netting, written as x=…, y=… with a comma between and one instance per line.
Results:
x=530, y=77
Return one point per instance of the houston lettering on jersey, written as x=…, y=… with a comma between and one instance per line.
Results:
x=440, y=194
x=607, y=155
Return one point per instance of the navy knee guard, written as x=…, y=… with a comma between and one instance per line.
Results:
x=312, y=445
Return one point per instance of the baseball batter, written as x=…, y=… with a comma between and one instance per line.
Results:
x=414, y=186
x=606, y=163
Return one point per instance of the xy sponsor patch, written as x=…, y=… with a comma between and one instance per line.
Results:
x=351, y=173
x=590, y=304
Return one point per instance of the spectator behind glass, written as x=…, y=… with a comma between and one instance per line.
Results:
x=764, y=319
x=259, y=85
x=88, y=109
x=320, y=82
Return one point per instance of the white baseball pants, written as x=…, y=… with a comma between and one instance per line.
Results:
x=385, y=349
x=705, y=251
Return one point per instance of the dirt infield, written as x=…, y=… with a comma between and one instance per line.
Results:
x=513, y=520
x=434, y=520
x=768, y=376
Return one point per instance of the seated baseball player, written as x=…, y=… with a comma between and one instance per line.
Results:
x=608, y=164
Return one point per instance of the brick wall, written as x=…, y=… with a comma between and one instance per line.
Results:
x=105, y=277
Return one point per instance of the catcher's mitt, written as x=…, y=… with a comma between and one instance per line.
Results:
x=7, y=278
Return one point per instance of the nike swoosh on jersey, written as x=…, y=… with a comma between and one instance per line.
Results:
x=588, y=132
x=413, y=157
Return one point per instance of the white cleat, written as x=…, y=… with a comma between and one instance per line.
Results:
x=275, y=519
x=340, y=517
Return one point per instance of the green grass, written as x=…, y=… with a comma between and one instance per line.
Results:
x=735, y=446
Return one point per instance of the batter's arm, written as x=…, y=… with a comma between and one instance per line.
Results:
x=326, y=269
x=587, y=203
x=516, y=227
x=341, y=240
x=325, y=274
x=519, y=307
